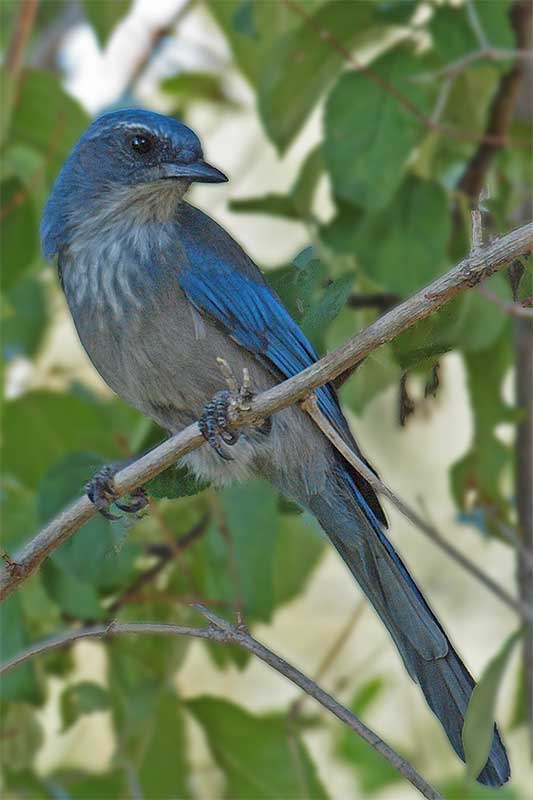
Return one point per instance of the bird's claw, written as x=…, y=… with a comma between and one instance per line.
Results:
x=214, y=424
x=101, y=492
x=139, y=501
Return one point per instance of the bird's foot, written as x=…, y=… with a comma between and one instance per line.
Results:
x=102, y=493
x=214, y=423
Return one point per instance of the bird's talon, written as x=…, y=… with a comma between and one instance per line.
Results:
x=214, y=424
x=229, y=437
x=101, y=492
x=140, y=501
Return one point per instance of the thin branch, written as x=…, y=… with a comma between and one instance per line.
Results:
x=310, y=406
x=380, y=300
x=468, y=273
x=455, y=68
x=427, y=122
x=219, y=630
x=19, y=40
x=475, y=24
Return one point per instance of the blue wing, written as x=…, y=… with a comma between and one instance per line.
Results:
x=222, y=282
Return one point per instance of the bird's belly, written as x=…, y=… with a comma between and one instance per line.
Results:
x=160, y=356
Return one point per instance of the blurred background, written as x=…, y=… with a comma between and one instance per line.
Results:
x=352, y=188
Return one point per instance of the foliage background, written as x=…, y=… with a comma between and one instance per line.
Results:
x=350, y=202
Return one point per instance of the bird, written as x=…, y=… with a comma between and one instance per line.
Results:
x=158, y=292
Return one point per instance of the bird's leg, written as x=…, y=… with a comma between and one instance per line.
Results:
x=215, y=421
x=101, y=492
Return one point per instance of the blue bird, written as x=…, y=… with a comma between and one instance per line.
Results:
x=158, y=291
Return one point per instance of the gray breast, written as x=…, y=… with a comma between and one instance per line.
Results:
x=156, y=352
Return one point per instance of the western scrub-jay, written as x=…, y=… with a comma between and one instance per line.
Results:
x=158, y=291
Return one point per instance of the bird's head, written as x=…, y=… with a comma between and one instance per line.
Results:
x=128, y=158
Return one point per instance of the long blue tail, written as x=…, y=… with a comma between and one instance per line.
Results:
x=421, y=641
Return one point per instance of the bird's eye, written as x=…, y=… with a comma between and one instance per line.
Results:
x=141, y=144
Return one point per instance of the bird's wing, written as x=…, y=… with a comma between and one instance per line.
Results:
x=221, y=281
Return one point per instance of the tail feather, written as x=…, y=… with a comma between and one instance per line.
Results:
x=420, y=639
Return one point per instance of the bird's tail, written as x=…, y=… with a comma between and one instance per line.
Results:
x=423, y=645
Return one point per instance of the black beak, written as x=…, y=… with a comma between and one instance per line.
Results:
x=199, y=171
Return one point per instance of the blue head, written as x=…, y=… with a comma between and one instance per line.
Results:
x=123, y=158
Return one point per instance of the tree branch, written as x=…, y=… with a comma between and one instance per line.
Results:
x=20, y=37
x=468, y=273
x=220, y=630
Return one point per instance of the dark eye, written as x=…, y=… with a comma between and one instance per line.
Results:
x=141, y=144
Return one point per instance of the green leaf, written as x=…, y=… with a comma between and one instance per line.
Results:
x=398, y=12
x=252, y=520
x=303, y=190
x=147, y=714
x=18, y=231
x=273, y=205
x=70, y=785
x=19, y=519
x=375, y=374
x=365, y=159
x=404, y=247
x=373, y=772
x=56, y=424
x=21, y=682
x=482, y=323
x=25, y=318
x=162, y=768
x=467, y=107
x=81, y=698
x=300, y=67
x=76, y=598
x=175, y=482
x=46, y=118
x=451, y=32
x=98, y=553
x=317, y=319
x=105, y=16
x=454, y=35
x=495, y=20
x=298, y=550
x=188, y=87
x=25, y=784
x=341, y=232
x=251, y=29
x=21, y=735
x=478, y=728
x=299, y=284
x=259, y=755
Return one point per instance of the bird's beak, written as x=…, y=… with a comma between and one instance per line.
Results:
x=199, y=171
